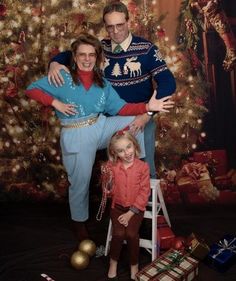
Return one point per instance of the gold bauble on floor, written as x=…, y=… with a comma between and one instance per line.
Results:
x=88, y=246
x=79, y=260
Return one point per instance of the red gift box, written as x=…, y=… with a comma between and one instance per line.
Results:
x=226, y=197
x=170, y=193
x=223, y=182
x=194, y=199
x=216, y=161
x=165, y=235
x=173, y=198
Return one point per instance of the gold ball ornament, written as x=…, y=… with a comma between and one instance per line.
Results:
x=88, y=246
x=79, y=260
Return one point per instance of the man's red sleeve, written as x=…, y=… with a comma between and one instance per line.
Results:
x=130, y=109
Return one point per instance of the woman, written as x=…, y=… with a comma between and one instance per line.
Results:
x=80, y=105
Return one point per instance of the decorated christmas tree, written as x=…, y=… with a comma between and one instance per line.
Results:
x=34, y=31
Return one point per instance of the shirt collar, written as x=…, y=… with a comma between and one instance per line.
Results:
x=124, y=45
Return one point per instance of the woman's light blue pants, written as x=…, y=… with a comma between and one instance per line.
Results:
x=79, y=147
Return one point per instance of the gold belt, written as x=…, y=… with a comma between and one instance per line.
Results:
x=81, y=124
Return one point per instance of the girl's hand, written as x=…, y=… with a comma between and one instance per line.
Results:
x=67, y=109
x=161, y=105
x=124, y=219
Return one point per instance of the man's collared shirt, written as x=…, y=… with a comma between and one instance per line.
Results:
x=124, y=45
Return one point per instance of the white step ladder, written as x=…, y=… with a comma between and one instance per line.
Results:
x=153, y=210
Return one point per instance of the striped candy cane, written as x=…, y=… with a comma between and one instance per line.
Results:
x=47, y=277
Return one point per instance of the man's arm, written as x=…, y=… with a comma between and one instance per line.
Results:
x=60, y=61
x=163, y=77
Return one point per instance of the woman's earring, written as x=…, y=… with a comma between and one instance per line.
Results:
x=95, y=68
x=73, y=66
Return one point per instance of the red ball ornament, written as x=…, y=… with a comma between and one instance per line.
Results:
x=179, y=243
x=132, y=7
x=3, y=10
x=79, y=18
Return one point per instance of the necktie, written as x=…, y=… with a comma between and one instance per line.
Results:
x=117, y=49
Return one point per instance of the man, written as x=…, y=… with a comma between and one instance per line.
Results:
x=131, y=64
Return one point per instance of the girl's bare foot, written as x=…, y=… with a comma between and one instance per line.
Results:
x=112, y=272
x=133, y=270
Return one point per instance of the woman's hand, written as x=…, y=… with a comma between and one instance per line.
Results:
x=54, y=75
x=162, y=105
x=67, y=109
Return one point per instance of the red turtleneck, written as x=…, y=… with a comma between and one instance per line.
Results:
x=86, y=78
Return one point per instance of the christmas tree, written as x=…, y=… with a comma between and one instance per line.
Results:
x=34, y=31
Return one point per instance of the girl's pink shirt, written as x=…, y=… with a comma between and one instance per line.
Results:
x=132, y=185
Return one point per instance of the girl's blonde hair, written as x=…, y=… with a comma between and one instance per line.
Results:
x=122, y=134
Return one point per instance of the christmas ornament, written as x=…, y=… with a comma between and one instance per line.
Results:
x=179, y=243
x=88, y=247
x=3, y=10
x=79, y=260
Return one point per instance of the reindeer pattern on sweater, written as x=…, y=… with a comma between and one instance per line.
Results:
x=131, y=72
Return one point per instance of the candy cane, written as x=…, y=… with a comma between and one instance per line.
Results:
x=47, y=277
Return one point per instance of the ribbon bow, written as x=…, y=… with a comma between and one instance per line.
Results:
x=225, y=245
x=194, y=170
x=176, y=258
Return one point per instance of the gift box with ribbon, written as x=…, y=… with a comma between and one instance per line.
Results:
x=192, y=176
x=216, y=161
x=171, y=266
x=223, y=253
x=197, y=247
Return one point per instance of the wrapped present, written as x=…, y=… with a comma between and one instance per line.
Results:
x=197, y=247
x=161, y=222
x=192, y=176
x=223, y=182
x=209, y=192
x=165, y=235
x=216, y=161
x=232, y=175
x=223, y=253
x=173, y=198
x=171, y=266
x=226, y=197
x=170, y=192
x=193, y=199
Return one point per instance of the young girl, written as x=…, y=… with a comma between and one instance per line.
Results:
x=130, y=193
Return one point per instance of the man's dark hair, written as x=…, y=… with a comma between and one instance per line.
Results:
x=116, y=6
